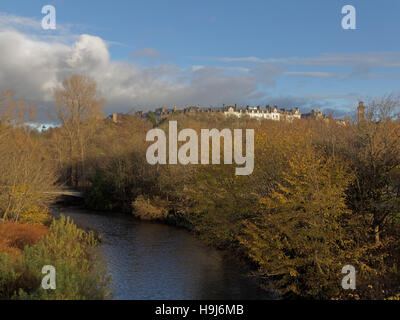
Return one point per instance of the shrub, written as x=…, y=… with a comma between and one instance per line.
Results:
x=146, y=210
x=15, y=236
x=100, y=194
x=70, y=251
x=35, y=216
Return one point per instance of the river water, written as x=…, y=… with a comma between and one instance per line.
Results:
x=155, y=261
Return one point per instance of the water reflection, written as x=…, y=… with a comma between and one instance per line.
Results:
x=155, y=261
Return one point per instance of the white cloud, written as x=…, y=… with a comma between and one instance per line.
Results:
x=316, y=74
x=33, y=67
x=369, y=59
x=32, y=26
x=8, y=21
x=29, y=66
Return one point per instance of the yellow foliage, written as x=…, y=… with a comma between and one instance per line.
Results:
x=35, y=216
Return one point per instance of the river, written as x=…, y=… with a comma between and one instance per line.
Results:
x=155, y=261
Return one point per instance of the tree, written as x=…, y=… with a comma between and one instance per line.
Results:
x=26, y=175
x=297, y=238
x=219, y=203
x=78, y=107
x=374, y=151
x=13, y=112
x=383, y=108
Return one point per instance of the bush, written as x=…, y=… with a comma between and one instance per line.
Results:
x=15, y=236
x=146, y=210
x=70, y=251
x=35, y=216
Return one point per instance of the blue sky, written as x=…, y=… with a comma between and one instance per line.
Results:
x=292, y=53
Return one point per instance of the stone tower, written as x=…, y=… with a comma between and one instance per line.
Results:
x=115, y=117
x=361, y=110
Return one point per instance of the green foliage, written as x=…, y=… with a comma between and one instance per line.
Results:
x=100, y=195
x=67, y=248
x=221, y=201
x=152, y=118
x=118, y=182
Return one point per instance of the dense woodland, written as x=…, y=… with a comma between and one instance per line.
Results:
x=322, y=194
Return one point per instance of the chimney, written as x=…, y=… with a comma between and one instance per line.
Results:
x=115, y=117
x=361, y=110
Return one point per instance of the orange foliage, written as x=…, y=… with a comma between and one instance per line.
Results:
x=15, y=236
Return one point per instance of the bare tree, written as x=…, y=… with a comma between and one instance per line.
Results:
x=13, y=112
x=374, y=150
x=78, y=108
x=383, y=108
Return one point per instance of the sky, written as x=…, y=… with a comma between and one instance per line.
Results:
x=146, y=54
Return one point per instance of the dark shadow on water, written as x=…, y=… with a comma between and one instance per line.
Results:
x=156, y=261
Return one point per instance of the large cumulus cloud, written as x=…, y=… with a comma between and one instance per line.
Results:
x=33, y=67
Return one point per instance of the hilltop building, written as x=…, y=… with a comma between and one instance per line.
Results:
x=271, y=113
x=258, y=112
x=315, y=114
x=361, y=112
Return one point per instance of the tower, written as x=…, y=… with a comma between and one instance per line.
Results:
x=361, y=110
x=115, y=117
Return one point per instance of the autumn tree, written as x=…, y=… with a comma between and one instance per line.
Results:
x=118, y=170
x=219, y=202
x=297, y=238
x=78, y=107
x=374, y=151
x=14, y=112
x=26, y=174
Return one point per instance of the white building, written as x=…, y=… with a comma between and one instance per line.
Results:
x=271, y=113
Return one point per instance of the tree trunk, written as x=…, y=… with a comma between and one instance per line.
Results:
x=377, y=234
